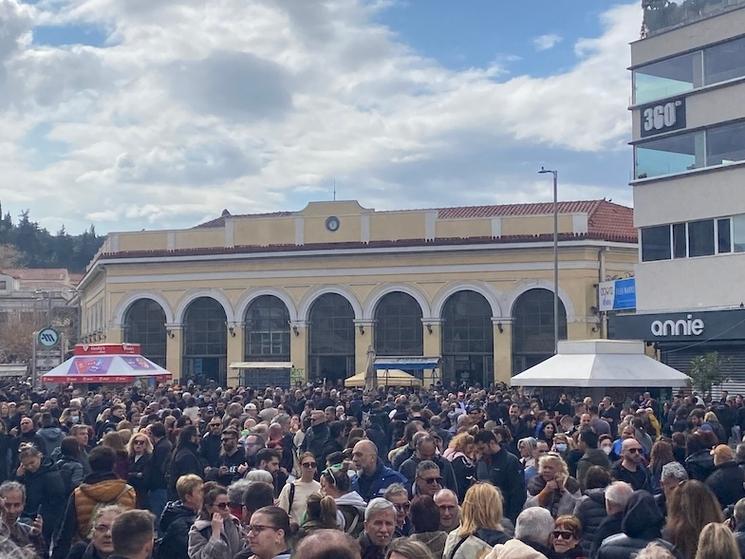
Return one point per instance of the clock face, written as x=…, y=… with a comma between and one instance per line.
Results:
x=332, y=223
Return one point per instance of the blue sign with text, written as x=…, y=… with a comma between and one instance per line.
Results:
x=617, y=295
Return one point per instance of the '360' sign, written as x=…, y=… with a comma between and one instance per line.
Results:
x=657, y=118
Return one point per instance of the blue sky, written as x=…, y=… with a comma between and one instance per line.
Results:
x=144, y=114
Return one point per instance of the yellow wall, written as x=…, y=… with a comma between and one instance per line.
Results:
x=534, y=225
x=199, y=238
x=396, y=226
x=462, y=228
x=277, y=231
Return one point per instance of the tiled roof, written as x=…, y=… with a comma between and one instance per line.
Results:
x=508, y=210
x=220, y=221
x=248, y=249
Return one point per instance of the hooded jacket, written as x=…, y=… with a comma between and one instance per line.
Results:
x=45, y=493
x=175, y=523
x=350, y=513
x=641, y=524
x=52, y=437
x=202, y=546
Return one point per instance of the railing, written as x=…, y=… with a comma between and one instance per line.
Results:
x=661, y=15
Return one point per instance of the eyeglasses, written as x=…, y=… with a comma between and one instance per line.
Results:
x=402, y=506
x=102, y=528
x=432, y=480
x=563, y=535
x=634, y=450
x=309, y=465
x=258, y=528
x=222, y=506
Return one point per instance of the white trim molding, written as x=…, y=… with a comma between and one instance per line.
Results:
x=375, y=297
x=120, y=312
x=527, y=285
x=313, y=294
x=479, y=287
x=252, y=294
x=193, y=294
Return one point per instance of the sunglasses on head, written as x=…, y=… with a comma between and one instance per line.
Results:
x=563, y=535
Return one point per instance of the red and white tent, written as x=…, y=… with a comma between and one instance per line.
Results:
x=106, y=363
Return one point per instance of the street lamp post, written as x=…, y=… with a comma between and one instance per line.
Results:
x=556, y=256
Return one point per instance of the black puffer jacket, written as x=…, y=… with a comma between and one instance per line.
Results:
x=45, y=493
x=641, y=524
x=175, y=523
x=727, y=483
x=700, y=465
x=590, y=511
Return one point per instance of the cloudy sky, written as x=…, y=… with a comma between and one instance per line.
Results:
x=134, y=114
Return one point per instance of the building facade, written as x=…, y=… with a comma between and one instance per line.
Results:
x=688, y=117
x=317, y=288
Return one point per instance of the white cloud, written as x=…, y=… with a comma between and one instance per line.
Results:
x=256, y=105
x=546, y=42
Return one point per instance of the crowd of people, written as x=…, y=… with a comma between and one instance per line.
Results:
x=319, y=472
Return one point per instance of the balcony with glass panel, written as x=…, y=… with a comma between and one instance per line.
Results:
x=662, y=15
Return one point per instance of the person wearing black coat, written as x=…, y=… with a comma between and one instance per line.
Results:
x=590, y=511
x=7, y=449
x=726, y=482
x=45, y=489
x=157, y=484
x=138, y=474
x=209, y=448
x=317, y=436
x=175, y=523
x=699, y=464
x=642, y=523
x=502, y=469
x=185, y=459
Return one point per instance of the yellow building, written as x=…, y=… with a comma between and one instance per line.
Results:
x=316, y=288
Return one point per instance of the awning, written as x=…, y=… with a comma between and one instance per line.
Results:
x=106, y=363
x=602, y=364
x=13, y=370
x=407, y=363
x=261, y=365
x=390, y=377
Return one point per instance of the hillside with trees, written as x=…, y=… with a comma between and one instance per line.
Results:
x=24, y=243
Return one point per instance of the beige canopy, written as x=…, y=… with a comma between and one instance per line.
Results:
x=386, y=377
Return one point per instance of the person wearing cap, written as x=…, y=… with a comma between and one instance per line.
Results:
x=726, y=482
x=251, y=410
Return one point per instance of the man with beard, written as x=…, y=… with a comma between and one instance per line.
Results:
x=231, y=464
x=209, y=448
x=503, y=470
x=21, y=532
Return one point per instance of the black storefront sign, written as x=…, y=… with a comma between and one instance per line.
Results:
x=663, y=116
x=680, y=327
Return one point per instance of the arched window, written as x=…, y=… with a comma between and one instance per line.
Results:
x=398, y=325
x=145, y=324
x=267, y=328
x=467, y=339
x=533, y=328
x=331, y=351
x=205, y=342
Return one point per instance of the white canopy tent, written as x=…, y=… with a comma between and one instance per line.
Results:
x=602, y=364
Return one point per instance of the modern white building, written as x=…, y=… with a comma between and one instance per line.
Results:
x=688, y=113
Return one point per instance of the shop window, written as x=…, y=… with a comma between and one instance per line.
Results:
x=701, y=238
x=724, y=62
x=679, y=240
x=725, y=144
x=656, y=243
x=724, y=236
x=398, y=325
x=667, y=77
x=145, y=324
x=674, y=154
x=267, y=330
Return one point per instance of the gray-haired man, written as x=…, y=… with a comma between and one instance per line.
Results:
x=380, y=524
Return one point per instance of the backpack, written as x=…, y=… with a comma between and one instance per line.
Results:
x=354, y=519
x=66, y=474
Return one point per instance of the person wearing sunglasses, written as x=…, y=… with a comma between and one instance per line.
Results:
x=566, y=537
x=428, y=479
x=631, y=468
x=215, y=533
x=269, y=533
x=293, y=498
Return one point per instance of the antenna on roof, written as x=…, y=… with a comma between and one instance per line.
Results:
x=334, y=179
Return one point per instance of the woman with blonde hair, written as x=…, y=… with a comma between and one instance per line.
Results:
x=461, y=453
x=717, y=542
x=406, y=548
x=320, y=514
x=480, y=524
x=140, y=451
x=711, y=418
x=552, y=488
x=692, y=506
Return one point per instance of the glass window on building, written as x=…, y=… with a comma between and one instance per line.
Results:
x=205, y=342
x=655, y=243
x=267, y=330
x=674, y=154
x=398, y=326
x=738, y=233
x=724, y=235
x=680, y=246
x=331, y=347
x=701, y=237
x=145, y=324
x=725, y=144
x=667, y=77
x=467, y=339
x=724, y=62
x=533, y=328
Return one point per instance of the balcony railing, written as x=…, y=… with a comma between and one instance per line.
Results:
x=661, y=15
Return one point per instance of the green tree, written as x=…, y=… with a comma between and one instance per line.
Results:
x=707, y=370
